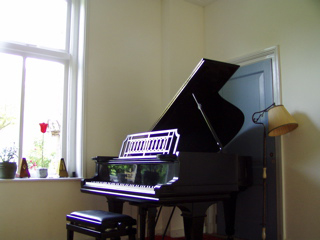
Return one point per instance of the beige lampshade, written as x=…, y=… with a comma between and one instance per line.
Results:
x=280, y=121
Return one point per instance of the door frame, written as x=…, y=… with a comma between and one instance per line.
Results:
x=273, y=54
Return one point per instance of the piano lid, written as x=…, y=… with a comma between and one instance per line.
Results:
x=183, y=112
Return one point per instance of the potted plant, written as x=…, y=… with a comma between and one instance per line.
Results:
x=7, y=168
x=38, y=163
x=37, y=159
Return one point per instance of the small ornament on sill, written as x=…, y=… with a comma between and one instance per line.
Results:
x=62, y=169
x=24, y=170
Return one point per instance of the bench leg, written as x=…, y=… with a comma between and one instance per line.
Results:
x=69, y=234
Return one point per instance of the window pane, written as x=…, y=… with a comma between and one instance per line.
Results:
x=37, y=22
x=43, y=104
x=10, y=90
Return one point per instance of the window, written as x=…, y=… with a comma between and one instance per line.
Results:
x=41, y=49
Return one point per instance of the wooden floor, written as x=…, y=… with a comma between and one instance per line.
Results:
x=205, y=237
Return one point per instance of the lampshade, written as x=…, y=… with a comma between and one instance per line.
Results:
x=280, y=121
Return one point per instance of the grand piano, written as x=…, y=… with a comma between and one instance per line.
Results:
x=182, y=161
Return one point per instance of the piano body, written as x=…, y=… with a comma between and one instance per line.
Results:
x=181, y=162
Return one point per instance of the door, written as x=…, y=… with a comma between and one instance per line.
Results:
x=250, y=89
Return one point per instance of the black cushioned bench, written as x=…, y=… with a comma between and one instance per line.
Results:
x=100, y=224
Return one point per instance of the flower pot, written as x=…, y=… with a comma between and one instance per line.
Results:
x=8, y=170
x=42, y=172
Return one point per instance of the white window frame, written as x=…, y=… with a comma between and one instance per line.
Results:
x=74, y=60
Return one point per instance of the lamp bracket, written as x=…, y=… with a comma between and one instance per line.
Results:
x=261, y=113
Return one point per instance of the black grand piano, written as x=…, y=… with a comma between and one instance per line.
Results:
x=181, y=162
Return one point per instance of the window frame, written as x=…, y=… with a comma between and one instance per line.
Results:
x=73, y=58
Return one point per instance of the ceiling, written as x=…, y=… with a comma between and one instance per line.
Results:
x=202, y=3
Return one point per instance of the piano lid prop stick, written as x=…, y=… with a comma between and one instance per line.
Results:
x=215, y=136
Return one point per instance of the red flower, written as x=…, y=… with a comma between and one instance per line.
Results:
x=43, y=127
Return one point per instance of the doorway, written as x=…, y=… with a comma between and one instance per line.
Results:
x=253, y=88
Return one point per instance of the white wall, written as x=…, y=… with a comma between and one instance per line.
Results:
x=183, y=43
x=237, y=28
x=37, y=209
x=123, y=72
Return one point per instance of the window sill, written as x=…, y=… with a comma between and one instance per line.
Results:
x=40, y=179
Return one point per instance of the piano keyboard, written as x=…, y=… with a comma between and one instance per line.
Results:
x=122, y=187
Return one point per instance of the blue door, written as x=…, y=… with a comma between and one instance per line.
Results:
x=250, y=89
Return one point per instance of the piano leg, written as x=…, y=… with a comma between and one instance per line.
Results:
x=142, y=222
x=193, y=219
x=229, y=208
x=152, y=212
x=116, y=206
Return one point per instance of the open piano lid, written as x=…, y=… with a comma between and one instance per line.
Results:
x=183, y=113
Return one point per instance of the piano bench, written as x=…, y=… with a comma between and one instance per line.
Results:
x=100, y=224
